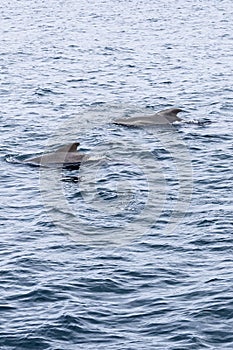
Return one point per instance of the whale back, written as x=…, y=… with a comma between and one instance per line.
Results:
x=165, y=116
x=64, y=154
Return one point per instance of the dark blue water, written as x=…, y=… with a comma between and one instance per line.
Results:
x=134, y=251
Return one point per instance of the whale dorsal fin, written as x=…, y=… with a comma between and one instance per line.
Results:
x=71, y=147
x=170, y=111
x=171, y=114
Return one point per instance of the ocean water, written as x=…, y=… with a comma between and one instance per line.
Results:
x=134, y=250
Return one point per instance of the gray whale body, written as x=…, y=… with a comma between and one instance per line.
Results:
x=166, y=116
x=65, y=156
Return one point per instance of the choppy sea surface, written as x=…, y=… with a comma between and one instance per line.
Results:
x=134, y=250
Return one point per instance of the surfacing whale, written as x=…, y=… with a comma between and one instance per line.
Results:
x=66, y=156
x=166, y=116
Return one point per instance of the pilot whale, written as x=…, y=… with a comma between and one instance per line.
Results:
x=166, y=116
x=65, y=156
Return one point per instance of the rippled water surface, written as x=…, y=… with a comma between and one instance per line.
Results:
x=134, y=250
